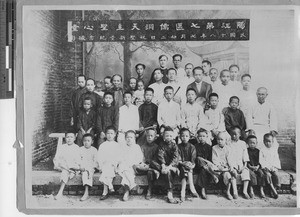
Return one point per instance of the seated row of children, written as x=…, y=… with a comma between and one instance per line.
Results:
x=164, y=158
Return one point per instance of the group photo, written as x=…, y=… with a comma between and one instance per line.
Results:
x=159, y=108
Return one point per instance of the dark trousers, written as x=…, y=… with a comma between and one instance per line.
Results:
x=272, y=177
x=257, y=178
x=168, y=178
x=146, y=170
x=204, y=177
x=184, y=170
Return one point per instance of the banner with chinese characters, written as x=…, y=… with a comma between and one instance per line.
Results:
x=159, y=30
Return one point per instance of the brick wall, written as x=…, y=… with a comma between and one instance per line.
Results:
x=50, y=68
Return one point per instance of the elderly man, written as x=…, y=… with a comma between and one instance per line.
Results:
x=262, y=117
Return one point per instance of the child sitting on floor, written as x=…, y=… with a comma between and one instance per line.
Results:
x=204, y=167
x=88, y=163
x=256, y=173
x=270, y=163
x=186, y=164
x=108, y=157
x=66, y=160
x=167, y=161
x=239, y=159
x=149, y=149
x=220, y=157
x=132, y=156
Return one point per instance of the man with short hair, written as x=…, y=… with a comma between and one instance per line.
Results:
x=262, y=117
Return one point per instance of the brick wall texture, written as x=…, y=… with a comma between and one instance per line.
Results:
x=58, y=62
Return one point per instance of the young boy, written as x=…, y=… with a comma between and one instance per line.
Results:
x=192, y=115
x=224, y=89
x=186, y=163
x=202, y=88
x=270, y=163
x=204, y=166
x=148, y=110
x=140, y=70
x=109, y=156
x=75, y=103
x=150, y=150
x=67, y=163
x=172, y=74
x=132, y=156
x=206, y=65
x=169, y=111
x=107, y=84
x=86, y=121
x=98, y=89
x=221, y=159
x=246, y=95
x=234, y=116
x=108, y=115
x=128, y=117
x=215, y=122
x=163, y=63
x=96, y=99
x=256, y=173
x=239, y=159
x=88, y=163
x=139, y=94
x=167, y=161
x=158, y=87
x=117, y=90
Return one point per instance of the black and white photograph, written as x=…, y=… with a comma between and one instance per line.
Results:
x=159, y=108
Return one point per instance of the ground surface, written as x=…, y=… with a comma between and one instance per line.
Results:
x=138, y=201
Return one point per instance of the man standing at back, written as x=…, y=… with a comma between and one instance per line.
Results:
x=206, y=65
x=177, y=59
x=202, y=88
x=262, y=117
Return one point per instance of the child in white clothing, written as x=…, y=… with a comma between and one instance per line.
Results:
x=108, y=157
x=88, y=163
x=132, y=155
x=66, y=160
x=139, y=93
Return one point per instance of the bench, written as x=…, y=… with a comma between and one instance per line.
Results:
x=46, y=177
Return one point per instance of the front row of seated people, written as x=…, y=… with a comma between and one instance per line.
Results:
x=165, y=159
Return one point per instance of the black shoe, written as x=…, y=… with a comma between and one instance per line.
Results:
x=104, y=197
